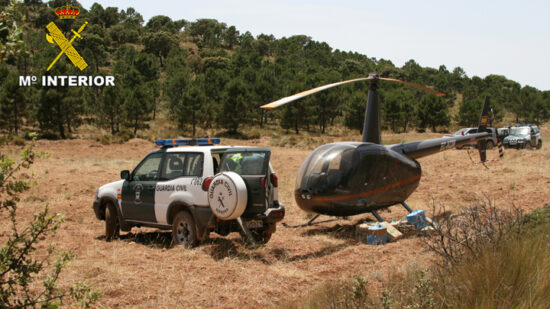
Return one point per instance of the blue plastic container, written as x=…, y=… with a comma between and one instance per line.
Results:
x=417, y=218
x=377, y=235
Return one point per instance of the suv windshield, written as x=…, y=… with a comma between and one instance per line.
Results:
x=244, y=162
x=519, y=131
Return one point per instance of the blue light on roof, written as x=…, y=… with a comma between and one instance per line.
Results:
x=187, y=142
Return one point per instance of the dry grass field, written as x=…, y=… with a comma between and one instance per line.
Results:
x=141, y=271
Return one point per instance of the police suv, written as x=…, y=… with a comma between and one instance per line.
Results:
x=193, y=191
x=523, y=136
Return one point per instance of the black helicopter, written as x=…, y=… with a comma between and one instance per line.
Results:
x=351, y=178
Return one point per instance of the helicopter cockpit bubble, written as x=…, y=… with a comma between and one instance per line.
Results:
x=326, y=169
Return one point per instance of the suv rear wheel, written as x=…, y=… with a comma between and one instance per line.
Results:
x=539, y=144
x=112, y=228
x=261, y=236
x=184, y=230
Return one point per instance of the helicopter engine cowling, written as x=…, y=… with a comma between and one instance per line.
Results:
x=350, y=178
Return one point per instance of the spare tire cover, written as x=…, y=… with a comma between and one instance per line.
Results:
x=227, y=195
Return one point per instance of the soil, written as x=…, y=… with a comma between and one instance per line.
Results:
x=141, y=270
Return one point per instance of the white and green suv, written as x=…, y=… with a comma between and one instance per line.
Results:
x=195, y=190
x=523, y=136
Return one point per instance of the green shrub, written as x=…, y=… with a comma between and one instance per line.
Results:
x=29, y=279
x=125, y=135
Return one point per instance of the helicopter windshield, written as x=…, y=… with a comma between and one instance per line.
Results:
x=325, y=167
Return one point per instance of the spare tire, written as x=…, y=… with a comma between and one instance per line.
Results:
x=227, y=195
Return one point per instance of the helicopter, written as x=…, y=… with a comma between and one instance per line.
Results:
x=343, y=179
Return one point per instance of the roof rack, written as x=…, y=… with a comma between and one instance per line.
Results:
x=165, y=143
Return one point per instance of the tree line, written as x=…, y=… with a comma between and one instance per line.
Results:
x=206, y=74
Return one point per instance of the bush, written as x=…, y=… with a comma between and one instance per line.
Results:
x=515, y=274
x=488, y=258
x=49, y=135
x=104, y=139
x=18, y=141
x=29, y=278
x=351, y=294
x=254, y=134
x=468, y=233
x=125, y=135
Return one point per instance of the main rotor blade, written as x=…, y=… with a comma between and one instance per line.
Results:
x=302, y=94
x=439, y=94
x=308, y=92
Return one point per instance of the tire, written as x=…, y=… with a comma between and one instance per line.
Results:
x=227, y=196
x=528, y=146
x=112, y=227
x=184, y=230
x=261, y=236
x=490, y=145
x=539, y=144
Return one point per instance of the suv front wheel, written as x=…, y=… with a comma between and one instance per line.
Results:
x=112, y=228
x=539, y=144
x=184, y=231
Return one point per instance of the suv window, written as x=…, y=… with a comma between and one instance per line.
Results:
x=181, y=164
x=244, y=163
x=149, y=168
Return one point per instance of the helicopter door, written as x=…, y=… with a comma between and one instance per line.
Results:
x=252, y=165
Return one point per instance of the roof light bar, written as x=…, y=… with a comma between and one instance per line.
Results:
x=187, y=142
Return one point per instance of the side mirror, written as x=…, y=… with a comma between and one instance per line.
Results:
x=125, y=174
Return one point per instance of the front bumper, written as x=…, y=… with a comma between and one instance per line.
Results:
x=516, y=145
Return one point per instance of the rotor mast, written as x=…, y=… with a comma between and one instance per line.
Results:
x=371, y=128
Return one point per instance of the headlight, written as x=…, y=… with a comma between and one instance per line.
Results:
x=521, y=141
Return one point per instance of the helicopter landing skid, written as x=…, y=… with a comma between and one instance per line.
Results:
x=377, y=216
x=312, y=222
x=406, y=207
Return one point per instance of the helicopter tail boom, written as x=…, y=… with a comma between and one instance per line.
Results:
x=424, y=148
x=415, y=150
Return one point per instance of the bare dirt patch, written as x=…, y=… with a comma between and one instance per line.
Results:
x=141, y=271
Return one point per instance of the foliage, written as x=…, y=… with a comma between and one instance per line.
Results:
x=468, y=114
x=11, y=42
x=28, y=275
x=475, y=229
x=14, y=99
x=225, y=70
x=432, y=112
